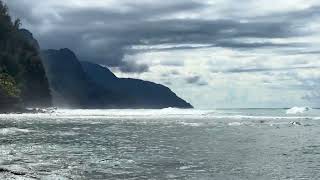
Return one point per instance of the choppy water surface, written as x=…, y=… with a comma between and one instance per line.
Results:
x=161, y=144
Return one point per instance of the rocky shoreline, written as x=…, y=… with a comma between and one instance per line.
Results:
x=27, y=110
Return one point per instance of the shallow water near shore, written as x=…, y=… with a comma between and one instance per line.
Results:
x=161, y=144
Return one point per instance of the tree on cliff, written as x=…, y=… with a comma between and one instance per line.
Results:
x=20, y=66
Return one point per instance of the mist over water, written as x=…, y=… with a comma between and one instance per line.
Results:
x=161, y=144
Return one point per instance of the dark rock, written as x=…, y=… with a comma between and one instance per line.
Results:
x=68, y=82
x=144, y=94
x=88, y=85
x=4, y=170
x=295, y=123
x=29, y=38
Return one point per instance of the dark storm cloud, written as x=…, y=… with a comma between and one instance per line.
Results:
x=227, y=44
x=105, y=35
x=22, y=9
x=133, y=68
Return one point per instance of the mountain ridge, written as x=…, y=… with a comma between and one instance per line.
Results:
x=153, y=95
x=98, y=87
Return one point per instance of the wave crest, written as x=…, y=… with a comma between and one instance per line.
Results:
x=298, y=110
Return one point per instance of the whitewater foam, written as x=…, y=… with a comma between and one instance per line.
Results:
x=169, y=113
x=298, y=110
x=191, y=124
x=13, y=130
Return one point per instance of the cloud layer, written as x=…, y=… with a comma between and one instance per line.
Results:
x=223, y=48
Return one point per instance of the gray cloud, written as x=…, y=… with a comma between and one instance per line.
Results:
x=255, y=70
x=313, y=96
x=172, y=62
x=193, y=79
x=168, y=83
x=175, y=72
x=311, y=85
x=134, y=68
x=105, y=35
x=170, y=74
x=100, y=35
x=295, y=15
x=197, y=80
x=303, y=52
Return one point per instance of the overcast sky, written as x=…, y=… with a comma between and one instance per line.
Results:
x=213, y=53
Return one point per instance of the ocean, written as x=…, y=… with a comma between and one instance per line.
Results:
x=161, y=144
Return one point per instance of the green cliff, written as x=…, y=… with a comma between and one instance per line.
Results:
x=23, y=79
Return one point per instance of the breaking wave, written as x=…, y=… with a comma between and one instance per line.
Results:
x=236, y=114
x=13, y=130
x=298, y=110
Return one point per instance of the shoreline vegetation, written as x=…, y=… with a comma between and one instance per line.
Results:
x=32, y=79
x=23, y=82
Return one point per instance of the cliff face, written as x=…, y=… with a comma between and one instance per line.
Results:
x=71, y=86
x=35, y=91
x=68, y=82
x=88, y=85
x=150, y=95
x=28, y=36
x=144, y=94
x=24, y=81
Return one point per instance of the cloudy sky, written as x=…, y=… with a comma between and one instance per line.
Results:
x=213, y=53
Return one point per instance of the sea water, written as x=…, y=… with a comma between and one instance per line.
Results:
x=161, y=144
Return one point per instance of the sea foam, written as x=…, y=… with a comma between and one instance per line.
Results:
x=9, y=131
x=169, y=113
x=297, y=110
